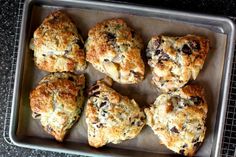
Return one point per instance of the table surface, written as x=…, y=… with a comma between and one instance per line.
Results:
x=8, y=18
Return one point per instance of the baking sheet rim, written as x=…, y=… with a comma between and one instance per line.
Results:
x=224, y=83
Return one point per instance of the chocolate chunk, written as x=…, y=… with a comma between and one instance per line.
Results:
x=186, y=49
x=164, y=57
x=103, y=104
x=196, y=99
x=111, y=36
x=137, y=123
x=132, y=34
x=105, y=98
x=181, y=152
x=71, y=78
x=185, y=104
x=66, y=52
x=129, y=118
x=157, y=52
x=174, y=129
x=99, y=125
x=199, y=127
x=106, y=60
x=185, y=145
x=149, y=57
x=55, y=17
x=43, y=55
x=80, y=43
x=195, y=140
x=36, y=115
x=197, y=145
x=49, y=129
x=142, y=118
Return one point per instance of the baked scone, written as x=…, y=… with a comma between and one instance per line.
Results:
x=57, y=45
x=178, y=119
x=176, y=60
x=57, y=101
x=114, y=48
x=111, y=117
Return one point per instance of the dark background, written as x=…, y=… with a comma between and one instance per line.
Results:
x=216, y=7
x=8, y=21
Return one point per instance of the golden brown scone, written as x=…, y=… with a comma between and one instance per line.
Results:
x=57, y=101
x=57, y=45
x=179, y=118
x=111, y=117
x=176, y=60
x=114, y=48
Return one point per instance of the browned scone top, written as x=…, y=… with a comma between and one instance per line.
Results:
x=57, y=101
x=179, y=119
x=111, y=117
x=57, y=45
x=114, y=48
x=176, y=60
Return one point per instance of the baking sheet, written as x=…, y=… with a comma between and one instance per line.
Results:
x=144, y=93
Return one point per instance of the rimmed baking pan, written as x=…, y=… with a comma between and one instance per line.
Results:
x=215, y=76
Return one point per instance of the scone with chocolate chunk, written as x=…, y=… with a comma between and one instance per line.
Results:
x=179, y=119
x=57, y=45
x=176, y=60
x=57, y=101
x=111, y=117
x=114, y=48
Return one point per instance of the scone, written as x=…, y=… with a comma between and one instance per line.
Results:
x=111, y=117
x=57, y=101
x=176, y=60
x=114, y=48
x=57, y=45
x=179, y=119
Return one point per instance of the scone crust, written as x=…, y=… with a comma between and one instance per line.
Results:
x=114, y=48
x=179, y=119
x=57, y=45
x=176, y=60
x=57, y=101
x=111, y=117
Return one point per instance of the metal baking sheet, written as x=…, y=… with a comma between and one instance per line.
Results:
x=26, y=132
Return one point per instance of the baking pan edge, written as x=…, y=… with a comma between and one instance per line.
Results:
x=224, y=83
